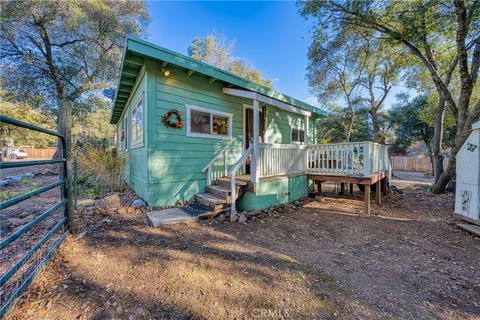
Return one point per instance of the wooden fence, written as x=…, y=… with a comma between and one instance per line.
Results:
x=34, y=153
x=413, y=164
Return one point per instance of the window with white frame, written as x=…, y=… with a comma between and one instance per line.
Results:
x=136, y=123
x=298, y=136
x=208, y=123
x=125, y=131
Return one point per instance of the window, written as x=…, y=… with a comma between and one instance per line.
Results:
x=136, y=123
x=125, y=132
x=298, y=136
x=208, y=123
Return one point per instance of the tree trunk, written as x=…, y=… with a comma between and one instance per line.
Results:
x=65, y=128
x=375, y=126
x=437, y=156
x=445, y=178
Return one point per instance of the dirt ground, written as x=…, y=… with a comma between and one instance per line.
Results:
x=318, y=260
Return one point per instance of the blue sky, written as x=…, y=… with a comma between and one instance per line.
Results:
x=271, y=36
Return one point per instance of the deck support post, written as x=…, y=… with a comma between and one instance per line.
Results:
x=378, y=192
x=319, y=187
x=384, y=186
x=366, y=194
x=351, y=189
x=342, y=188
x=255, y=152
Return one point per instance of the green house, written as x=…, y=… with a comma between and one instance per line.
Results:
x=190, y=131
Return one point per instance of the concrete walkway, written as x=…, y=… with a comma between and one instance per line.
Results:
x=173, y=215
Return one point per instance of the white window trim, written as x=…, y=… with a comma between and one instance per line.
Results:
x=140, y=143
x=126, y=131
x=291, y=136
x=212, y=113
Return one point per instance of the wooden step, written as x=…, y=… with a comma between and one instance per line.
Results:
x=219, y=191
x=225, y=182
x=211, y=201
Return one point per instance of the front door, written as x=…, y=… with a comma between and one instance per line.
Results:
x=249, y=131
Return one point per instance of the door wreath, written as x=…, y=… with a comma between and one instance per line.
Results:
x=167, y=119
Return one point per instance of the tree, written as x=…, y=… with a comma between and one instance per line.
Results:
x=218, y=52
x=441, y=35
x=381, y=73
x=338, y=117
x=406, y=120
x=335, y=72
x=20, y=136
x=64, y=49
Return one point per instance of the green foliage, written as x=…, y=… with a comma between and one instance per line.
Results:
x=25, y=137
x=331, y=129
x=87, y=186
x=91, y=125
x=5, y=195
x=406, y=120
x=63, y=49
x=30, y=184
x=218, y=52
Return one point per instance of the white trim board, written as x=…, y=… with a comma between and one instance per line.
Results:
x=267, y=100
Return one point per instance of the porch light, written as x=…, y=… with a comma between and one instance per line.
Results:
x=166, y=72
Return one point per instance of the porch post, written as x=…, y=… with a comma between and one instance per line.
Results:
x=305, y=130
x=256, y=131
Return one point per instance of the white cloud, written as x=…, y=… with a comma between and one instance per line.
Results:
x=276, y=79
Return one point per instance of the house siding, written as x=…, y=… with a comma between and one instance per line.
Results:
x=176, y=160
x=168, y=166
x=136, y=174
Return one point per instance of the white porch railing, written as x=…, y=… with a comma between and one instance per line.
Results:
x=355, y=158
x=278, y=159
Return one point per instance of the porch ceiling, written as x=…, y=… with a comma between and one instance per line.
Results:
x=260, y=97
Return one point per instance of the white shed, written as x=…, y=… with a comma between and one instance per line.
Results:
x=467, y=194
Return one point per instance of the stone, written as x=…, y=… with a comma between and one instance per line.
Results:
x=171, y=215
x=233, y=217
x=4, y=183
x=242, y=218
x=222, y=217
x=138, y=203
x=297, y=203
x=19, y=177
x=180, y=203
x=85, y=203
x=319, y=198
x=110, y=201
x=49, y=172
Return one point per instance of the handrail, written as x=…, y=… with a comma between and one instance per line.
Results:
x=208, y=166
x=232, y=173
x=240, y=161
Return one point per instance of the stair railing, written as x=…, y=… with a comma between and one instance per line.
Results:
x=232, y=173
x=208, y=167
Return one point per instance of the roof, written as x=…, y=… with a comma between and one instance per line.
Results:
x=135, y=52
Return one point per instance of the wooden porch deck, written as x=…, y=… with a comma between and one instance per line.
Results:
x=379, y=179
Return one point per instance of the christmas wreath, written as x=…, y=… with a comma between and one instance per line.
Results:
x=167, y=119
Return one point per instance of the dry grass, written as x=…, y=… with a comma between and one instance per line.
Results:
x=306, y=264
x=103, y=165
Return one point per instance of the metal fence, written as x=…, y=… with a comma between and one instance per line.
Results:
x=22, y=271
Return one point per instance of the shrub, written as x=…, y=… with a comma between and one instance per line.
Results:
x=100, y=168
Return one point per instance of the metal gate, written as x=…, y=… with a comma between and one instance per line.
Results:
x=22, y=270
